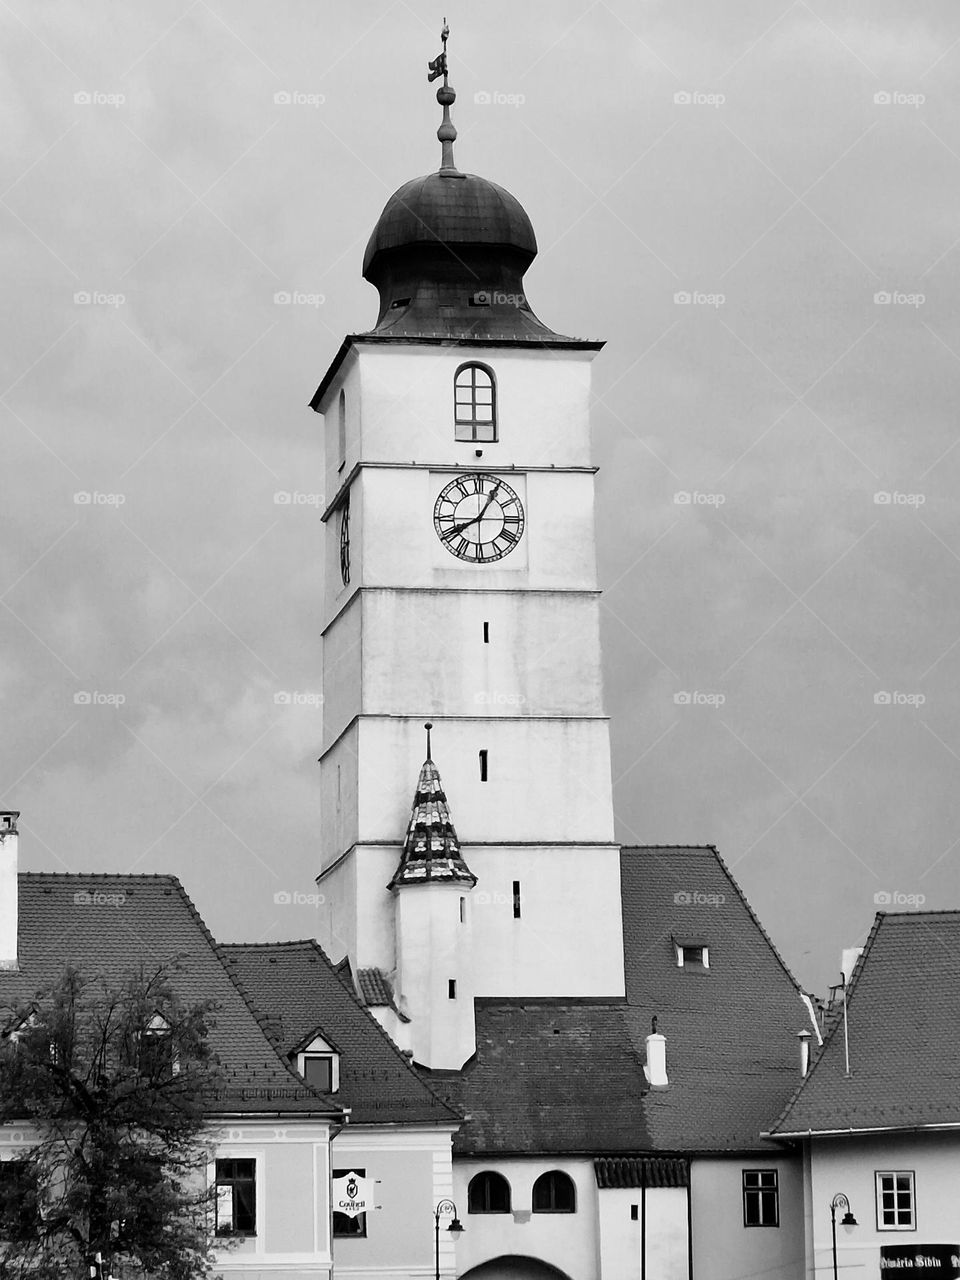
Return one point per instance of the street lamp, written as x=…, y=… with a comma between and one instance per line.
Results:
x=839, y=1201
x=455, y=1227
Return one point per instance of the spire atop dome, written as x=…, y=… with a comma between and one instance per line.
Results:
x=446, y=96
x=431, y=848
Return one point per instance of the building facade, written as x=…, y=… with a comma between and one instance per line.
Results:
x=877, y=1117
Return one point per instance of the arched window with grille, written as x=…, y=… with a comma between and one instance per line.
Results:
x=554, y=1192
x=475, y=403
x=488, y=1193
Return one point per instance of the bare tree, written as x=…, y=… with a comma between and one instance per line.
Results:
x=111, y=1081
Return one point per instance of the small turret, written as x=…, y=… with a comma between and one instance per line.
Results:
x=431, y=886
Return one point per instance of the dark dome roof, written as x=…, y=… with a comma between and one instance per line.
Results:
x=452, y=209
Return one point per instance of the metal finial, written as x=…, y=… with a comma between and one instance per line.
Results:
x=428, y=726
x=446, y=96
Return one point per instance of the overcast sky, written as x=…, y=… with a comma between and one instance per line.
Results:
x=781, y=165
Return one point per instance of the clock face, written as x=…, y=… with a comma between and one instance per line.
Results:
x=478, y=518
x=345, y=542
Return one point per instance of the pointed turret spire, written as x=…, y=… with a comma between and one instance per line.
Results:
x=446, y=96
x=431, y=848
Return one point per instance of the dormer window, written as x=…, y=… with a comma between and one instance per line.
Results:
x=319, y=1064
x=157, y=1057
x=692, y=953
x=475, y=403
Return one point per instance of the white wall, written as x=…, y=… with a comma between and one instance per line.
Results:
x=723, y=1248
x=622, y=1238
x=848, y=1165
x=567, y=1240
x=548, y=780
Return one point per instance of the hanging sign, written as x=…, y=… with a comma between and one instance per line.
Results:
x=920, y=1261
x=352, y=1194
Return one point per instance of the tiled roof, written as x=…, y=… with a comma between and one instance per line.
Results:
x=556, y=1076
x=431, y=848
x=549, y=1076
x=110, y=926
x=306, y=996
x=903, y=1026
x=731, y=1029
x=642, y=1171
x=375, y=988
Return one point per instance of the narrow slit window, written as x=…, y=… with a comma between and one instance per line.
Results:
x=486, y=633
x=483, y=764
x=463, y=910
x=452, y=988
x=516, y=899
x=634, y=1213
x=342, y=430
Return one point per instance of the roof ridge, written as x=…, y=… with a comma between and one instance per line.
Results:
x=837, y=1023
x=227, y=965
x=100, y=875
x=398, y=1052
x=650, y=848
x=349, y=989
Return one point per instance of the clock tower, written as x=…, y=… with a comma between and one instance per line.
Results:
x=460, y=590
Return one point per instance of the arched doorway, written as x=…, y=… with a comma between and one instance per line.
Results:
x=513, y=1267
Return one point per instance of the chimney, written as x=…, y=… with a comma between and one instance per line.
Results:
x=804, y=1039
x=9, y=840
x=848, y=960
x=655, y=1068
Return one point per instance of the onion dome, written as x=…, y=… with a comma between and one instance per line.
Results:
x=431, y=848
x=449, y=252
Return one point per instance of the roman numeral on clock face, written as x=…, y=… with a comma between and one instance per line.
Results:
x=478, y=517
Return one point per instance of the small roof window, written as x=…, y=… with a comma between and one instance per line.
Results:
x=692, y=951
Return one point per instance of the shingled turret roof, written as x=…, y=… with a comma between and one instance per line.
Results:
x=431, y=848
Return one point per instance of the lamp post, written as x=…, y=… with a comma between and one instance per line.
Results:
x=455, y=1227
x=839, y=1201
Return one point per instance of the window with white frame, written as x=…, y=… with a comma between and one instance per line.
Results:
x=319, y=1064
x=236, y=1202
x=896, y=1206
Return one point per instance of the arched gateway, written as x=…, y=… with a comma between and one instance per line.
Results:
x=514, y=1268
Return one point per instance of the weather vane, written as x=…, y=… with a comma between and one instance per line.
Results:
x=446, y=96
x=438, y=67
